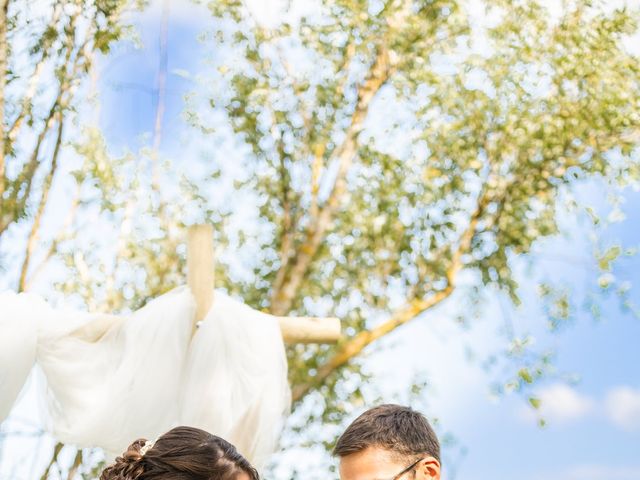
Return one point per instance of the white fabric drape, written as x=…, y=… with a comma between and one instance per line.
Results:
x=113, y=379
x=20, y=316
x=245, y=397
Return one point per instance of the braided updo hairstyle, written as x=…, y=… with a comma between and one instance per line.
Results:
x=183, y=453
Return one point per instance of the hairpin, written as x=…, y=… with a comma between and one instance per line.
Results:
x=148, y=445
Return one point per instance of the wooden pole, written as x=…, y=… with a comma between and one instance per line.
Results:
x=200, y=266
x=200, y=278
x=309, y=329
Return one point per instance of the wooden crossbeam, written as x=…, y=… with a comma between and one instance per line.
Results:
x=200, y=278
x=309, y=329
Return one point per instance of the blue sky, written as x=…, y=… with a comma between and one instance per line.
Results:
x=594, y=423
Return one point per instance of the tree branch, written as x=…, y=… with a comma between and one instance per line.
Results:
x=44, y=196
x=319, y=150
x=4, y=48
x=287, y=217
x=112, y=299
x=284, y=292
x=73, y=209
x=25, y=104
x=68, y=83
x=355, y=345
x=302, y=107
x=77, y=461
x=54, y=458
x=19, y=197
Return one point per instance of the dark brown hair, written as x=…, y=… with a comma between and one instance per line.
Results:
x=399, y=429
x=184, y=453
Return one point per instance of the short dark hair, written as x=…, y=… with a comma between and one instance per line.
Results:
x=183, y=453
x=401, y=430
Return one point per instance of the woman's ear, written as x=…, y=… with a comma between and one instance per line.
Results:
x=428, y=469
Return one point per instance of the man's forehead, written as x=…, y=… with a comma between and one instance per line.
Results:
x=372, y=463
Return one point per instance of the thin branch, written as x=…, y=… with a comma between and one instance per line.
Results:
x=302, y=108
x=25, y=104
x=67, y=87
x=71, y=214
x=19, y=197
x=77, y=461
x=54, y=459
x=355, y=345
x=84, y=272
x=316, y=173
x=4, y=48
x=284, y=292
x=288, y=224
x=292, y=274
x=19, y=200
x=319, y=151
x=44, y=196
x=411, y=310
x=350, y=52
x=124, y=232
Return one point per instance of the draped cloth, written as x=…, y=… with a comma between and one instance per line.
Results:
x=112, y=379
x=20, y=316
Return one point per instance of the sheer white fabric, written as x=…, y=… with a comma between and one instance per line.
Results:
x=113, y=379
x=20, y=315
x=245, y=397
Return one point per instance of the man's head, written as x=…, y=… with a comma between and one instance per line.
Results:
x=389, y=442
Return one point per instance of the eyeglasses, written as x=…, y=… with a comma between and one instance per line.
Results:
x=408, y=469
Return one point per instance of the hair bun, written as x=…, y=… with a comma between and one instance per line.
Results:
x=128, y=466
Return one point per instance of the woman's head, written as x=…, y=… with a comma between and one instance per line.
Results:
x=184, y=453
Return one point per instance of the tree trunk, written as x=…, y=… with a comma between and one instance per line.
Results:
x=4, y=48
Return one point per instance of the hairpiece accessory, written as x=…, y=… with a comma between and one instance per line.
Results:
x=148, y=445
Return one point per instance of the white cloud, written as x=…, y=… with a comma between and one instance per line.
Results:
x=591, y=472
x=561, y=404
x=622, y=406
x=564, y=404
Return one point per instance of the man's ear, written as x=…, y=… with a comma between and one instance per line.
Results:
x=428, y=469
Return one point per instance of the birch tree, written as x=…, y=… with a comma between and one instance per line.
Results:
x=390, y=147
